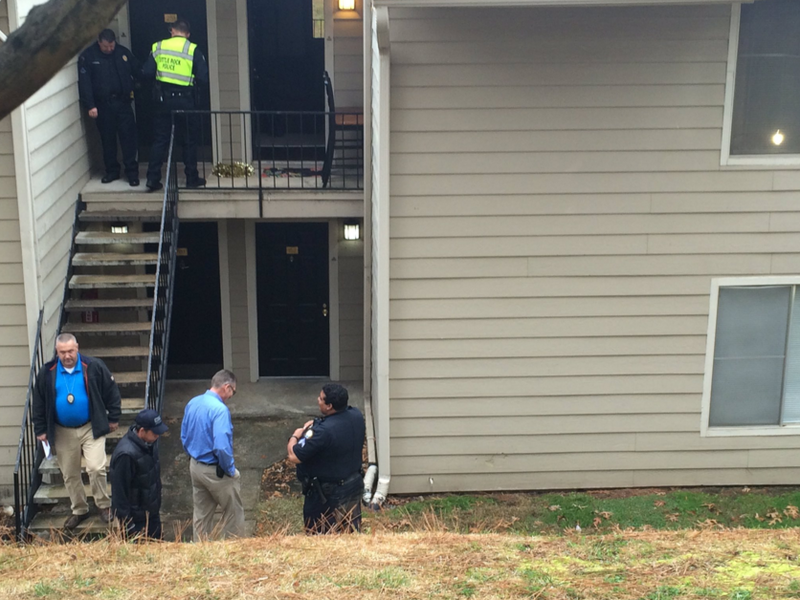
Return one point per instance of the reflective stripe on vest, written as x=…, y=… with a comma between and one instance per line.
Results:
x=174, y=60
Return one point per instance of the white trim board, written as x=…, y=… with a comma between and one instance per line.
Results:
x=708, y=371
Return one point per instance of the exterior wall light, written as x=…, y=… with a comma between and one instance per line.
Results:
x=352, y=230
x=777, y=138
x=347, y=4
x=119, y=229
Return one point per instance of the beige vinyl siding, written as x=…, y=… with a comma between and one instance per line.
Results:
x=557, y=214
x=351, y=310
x=348, y=52
x=14, y=350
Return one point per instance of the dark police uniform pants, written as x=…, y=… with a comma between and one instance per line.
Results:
x=186, y=130
x=115, y=119
x=341, y=510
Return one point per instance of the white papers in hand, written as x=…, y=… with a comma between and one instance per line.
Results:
x=46, y=447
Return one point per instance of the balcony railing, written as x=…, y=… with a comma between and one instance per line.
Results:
x=268, y=151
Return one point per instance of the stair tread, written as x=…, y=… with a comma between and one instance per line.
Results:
x=50, y=465
x=92, y=281
x=43, y=522
x=117, y=352
x=121, y=215
x=106, y=237
x=109, y=303
x=142, y=327
x=51, y=493
x=132, y=405
x=114, y=258
x=130, y=377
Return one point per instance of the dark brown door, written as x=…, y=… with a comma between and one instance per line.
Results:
x=195, y=346
x=148, y=22
x=292, y=288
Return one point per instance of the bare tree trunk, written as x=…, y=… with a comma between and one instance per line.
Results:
x=52, y=34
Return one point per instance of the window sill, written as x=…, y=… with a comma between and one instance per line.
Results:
x=770, y=430
x=768, y=161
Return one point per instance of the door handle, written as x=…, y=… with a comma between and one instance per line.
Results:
x=324, y=310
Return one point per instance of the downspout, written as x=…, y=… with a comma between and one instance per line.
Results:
x=380, y=239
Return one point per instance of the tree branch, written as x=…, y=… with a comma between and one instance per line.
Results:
x=53, y=33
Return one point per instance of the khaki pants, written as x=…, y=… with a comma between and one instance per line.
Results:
x=69, y=444
x=210, y=491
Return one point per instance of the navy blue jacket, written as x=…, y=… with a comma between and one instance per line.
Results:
x=104, y=397
x=100, y=75
x=332, y=451
x=135, y=479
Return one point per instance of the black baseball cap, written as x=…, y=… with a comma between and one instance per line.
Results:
x=151, y=420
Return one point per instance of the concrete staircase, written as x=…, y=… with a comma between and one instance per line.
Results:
x=108, y=308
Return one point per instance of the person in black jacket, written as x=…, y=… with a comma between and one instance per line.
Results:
x=76, y=403
x=136, y=477
x=106, y=74
x=327, y=452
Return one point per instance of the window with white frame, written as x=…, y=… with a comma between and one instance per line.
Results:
x=766, y=117
x=755, y=378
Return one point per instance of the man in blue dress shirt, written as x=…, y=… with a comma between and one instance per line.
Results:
x=207, y=437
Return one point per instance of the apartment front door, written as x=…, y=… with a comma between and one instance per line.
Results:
x=149, y=23
x=292, y=292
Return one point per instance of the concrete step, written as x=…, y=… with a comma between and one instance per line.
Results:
x=49, y=466
x=117, y=216
x=108, y=328
x=54, y=493
x=130, y=377
x=132, y=406
x=45, y=522
x=89, y=259
x=118, y=352
x=114, y=303
x=95, y=282
x=104, y=237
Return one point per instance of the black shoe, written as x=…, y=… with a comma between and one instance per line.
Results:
x=75, y=520
x=134, y=182
x=153, y=186
x=195, y=182
x=107, y=178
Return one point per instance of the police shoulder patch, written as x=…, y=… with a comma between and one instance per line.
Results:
x=309, y=434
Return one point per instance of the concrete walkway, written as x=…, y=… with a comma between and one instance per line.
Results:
x=264, y=416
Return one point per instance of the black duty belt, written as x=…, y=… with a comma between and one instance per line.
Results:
x=208, y=464
x=73, y=426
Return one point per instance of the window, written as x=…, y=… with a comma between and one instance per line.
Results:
x=754, y=340
x=765, y=117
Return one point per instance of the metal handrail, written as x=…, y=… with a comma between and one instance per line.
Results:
x=164, y=283
x=80, y=205
x=29, y=453
x=290, y=150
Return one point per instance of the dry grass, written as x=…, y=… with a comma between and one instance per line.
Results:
x=650, y=565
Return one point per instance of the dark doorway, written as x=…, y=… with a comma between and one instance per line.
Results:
x=286, y=64
x=149, y=24
x=292, y=288
x=195, y=343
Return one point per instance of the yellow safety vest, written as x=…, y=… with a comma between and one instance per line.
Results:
x=174, y=59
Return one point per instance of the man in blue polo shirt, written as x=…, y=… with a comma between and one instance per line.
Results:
x=76, y=403
x=207, y=437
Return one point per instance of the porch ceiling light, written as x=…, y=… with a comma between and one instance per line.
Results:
x=352, y=231
x=347, y=4
x=777, y=138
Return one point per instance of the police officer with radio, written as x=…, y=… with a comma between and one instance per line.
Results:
x=106, y=74
x=178, y=67
x=328, y=455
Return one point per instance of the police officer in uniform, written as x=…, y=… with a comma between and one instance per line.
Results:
x=327, y=452
x=136, y=476
x=106, y=73
x=178, y=67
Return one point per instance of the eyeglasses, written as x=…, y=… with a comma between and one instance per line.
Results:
x=233, y=390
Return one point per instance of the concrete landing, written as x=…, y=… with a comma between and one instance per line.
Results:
x=264, y=415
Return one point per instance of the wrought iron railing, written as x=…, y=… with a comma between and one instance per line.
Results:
x=278, y=150
x=29, y=453
x=163, y=291
x=80, y=206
